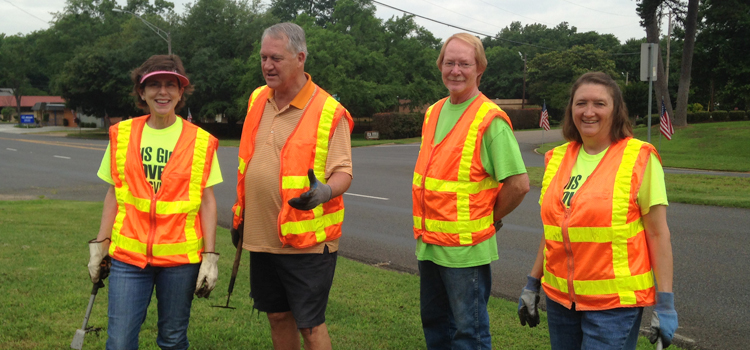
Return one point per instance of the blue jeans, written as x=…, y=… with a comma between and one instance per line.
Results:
x=453, y=304
x=130, y=289
x=614, y=329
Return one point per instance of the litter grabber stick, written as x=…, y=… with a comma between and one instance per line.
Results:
x=659, y=345
x=77, y=342
x=235, y=268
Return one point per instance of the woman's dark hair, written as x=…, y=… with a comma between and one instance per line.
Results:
x=171, y=63
x=621, y=127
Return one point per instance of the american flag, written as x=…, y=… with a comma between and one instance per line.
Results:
x=544, y=121
x=665, y=125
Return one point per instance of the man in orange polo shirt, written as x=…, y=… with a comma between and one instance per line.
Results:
x=295, y=163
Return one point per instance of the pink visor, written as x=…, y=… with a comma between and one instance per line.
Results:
x=183, y=79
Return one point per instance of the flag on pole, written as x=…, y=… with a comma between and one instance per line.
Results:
x=665, y=125
x=190, y=116
x=544, y=121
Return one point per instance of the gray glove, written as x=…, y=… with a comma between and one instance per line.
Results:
x=97, y=253
x=318, y=194
x=528, y=311
x=207, y=275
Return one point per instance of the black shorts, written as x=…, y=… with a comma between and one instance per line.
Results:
x=299, y=283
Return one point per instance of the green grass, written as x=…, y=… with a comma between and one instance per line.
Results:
x=45, y=290
x=708, y=146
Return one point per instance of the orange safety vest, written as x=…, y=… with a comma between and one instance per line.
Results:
x=453, y=197
x=306, y=148
x=159, y=229
x=595, y=252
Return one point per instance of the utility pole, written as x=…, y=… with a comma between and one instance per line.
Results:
x=163, y=34
x=523, y=89
x=669, y=37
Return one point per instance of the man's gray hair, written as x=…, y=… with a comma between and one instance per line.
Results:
x=291, y=31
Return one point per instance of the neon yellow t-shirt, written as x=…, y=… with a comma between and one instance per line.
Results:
x=501, y=158
x=156, y=149
x=652, y=192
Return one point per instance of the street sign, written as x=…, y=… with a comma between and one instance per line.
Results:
x=648, y=61
x=372, y=135
x=27, y=119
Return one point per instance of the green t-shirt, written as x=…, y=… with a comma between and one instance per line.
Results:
x=156, y=148
x=501, y=158
x=652, y=192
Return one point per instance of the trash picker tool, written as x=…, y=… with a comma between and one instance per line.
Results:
x=235, y=268
x=77, y=342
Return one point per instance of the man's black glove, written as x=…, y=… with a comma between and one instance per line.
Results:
x=236, y=232
x=318, y=194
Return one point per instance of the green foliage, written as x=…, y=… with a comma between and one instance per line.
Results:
x=524, y=118
x=552, y=74
x=7, y=113
x=397, y=125
x=694, y=107
x=719, y=116
x=737, y=115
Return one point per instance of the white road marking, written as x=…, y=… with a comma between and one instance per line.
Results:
x=63, y=157
x=12, y=149
x=362, y=195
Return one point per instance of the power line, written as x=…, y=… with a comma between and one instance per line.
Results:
x=27, y=12
x=457, y=27
x=473, y=19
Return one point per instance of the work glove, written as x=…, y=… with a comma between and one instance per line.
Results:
x=97, y=253
x=528, y=311
x=664, y=319
x=236, y=233
x=318, y=194
x=207, y=275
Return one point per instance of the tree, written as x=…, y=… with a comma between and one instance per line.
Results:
x=15, y=67
x=503, y=77
x=550, y=75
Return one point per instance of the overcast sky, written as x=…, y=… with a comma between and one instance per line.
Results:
x=617, y=17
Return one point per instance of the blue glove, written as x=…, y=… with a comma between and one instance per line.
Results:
x=664, y=319
x=528, y=302
x=318, y=194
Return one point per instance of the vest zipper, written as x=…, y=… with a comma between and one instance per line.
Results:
x=151, y=231
x=569, y=252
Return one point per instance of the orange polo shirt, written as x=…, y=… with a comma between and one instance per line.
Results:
x=262, y=193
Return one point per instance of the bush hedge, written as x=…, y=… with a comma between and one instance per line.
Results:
x=737, y=115
x=720, y=116
x=524, y=118
x=397, y=125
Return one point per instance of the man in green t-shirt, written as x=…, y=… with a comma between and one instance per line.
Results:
x=468, y=150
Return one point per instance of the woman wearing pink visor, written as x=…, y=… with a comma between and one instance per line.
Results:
x=159, y=219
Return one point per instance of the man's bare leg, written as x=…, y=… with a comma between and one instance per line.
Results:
x=284, y=333
x=316, y=338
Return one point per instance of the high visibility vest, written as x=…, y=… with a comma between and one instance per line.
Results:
x=595, y=252
x=453, y=197
x=306, y=148
x=159, y=229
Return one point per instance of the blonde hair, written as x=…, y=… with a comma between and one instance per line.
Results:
x=478, y=52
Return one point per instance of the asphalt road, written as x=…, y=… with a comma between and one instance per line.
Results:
x=709, y=242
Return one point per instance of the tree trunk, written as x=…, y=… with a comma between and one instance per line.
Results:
x=660, y=85
x=691, y=22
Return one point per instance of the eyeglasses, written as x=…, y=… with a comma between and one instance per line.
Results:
x=462, y=65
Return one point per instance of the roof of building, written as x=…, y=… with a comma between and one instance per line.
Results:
x=29, y=101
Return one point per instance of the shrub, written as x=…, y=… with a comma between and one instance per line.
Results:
x=66, y=122
x=7, y=113
x=702, y=117
x=397, y=125
x=737, y=115
x=690, y=117
x=524, y=118
x=694, y=107
x=720, y=116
